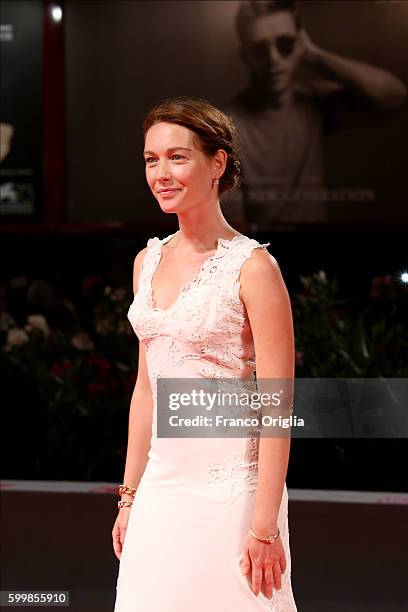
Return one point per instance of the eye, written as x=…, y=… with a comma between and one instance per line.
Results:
x=259, y=50
x=178, y=155
x=149, y=160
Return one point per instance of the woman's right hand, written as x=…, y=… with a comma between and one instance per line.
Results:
x=119, y=530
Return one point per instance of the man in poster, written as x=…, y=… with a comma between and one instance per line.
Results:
x=284, y=113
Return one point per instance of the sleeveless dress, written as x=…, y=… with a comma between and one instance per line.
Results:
x=195, y=501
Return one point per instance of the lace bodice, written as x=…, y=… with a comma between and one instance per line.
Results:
x=207, y=322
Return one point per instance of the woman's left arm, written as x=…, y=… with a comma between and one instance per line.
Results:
x=264, y=293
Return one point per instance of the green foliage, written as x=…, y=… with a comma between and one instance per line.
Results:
x=66, y=393
x=342, y=337
x=79, y=387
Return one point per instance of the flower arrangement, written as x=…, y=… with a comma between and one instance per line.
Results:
x=348, y=337
x=79, y=383
x=67, y=390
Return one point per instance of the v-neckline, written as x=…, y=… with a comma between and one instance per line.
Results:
x=193, y=279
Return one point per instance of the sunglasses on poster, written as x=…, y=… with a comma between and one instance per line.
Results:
x=284, y=45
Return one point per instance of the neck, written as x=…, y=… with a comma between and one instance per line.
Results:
x=261, y=97
x=200, y=228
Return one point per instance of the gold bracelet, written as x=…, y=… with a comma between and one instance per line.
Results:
x=269, y=539
x=126, y=489
x=124, y=504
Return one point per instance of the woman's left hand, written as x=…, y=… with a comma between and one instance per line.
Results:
x=263, y=564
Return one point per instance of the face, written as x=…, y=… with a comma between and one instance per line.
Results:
x=272, y=51
x=178, y=173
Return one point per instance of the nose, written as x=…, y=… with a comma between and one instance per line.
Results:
x=273, y=55
x=163, y=171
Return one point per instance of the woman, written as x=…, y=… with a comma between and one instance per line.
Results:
x=203, y=521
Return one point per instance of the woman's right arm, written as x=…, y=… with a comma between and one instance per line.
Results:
x=140, y=412
x=139, y=433
x=140, y=426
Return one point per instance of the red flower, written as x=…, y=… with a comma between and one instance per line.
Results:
x=57, y=370
x=382, y=288
x=113, y=386
x=299, y=358
x=100, y=364
x=95, y=390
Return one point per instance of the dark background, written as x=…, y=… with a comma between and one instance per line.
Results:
x=103, y=66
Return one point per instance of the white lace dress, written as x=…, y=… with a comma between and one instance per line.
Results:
x=196, y=499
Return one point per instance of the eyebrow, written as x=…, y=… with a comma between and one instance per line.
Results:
x=168, y=150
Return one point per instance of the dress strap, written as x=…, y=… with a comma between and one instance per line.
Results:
x=156, y=242
x=241, y=253
x=150, y=261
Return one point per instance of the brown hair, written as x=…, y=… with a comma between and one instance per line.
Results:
x=214, y=129
x=249, y=10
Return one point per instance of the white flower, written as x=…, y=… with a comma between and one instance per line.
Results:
x=118, y=294
x=321, y=276
x=37, y=322
x=16, y=337
x=82, y=341
x=104, y=326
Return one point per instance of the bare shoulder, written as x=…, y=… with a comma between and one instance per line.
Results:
x=268, y=306
x=137, y=264
x=260, y=267
x=260, y=276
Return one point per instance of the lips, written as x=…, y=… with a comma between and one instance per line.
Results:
x=167, y=190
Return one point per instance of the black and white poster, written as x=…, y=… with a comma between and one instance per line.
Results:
x=21, y=157
x=317, y=89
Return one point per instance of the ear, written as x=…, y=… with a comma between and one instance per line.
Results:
x=220, y=161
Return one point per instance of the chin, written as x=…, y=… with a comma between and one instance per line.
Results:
x=169, y=208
